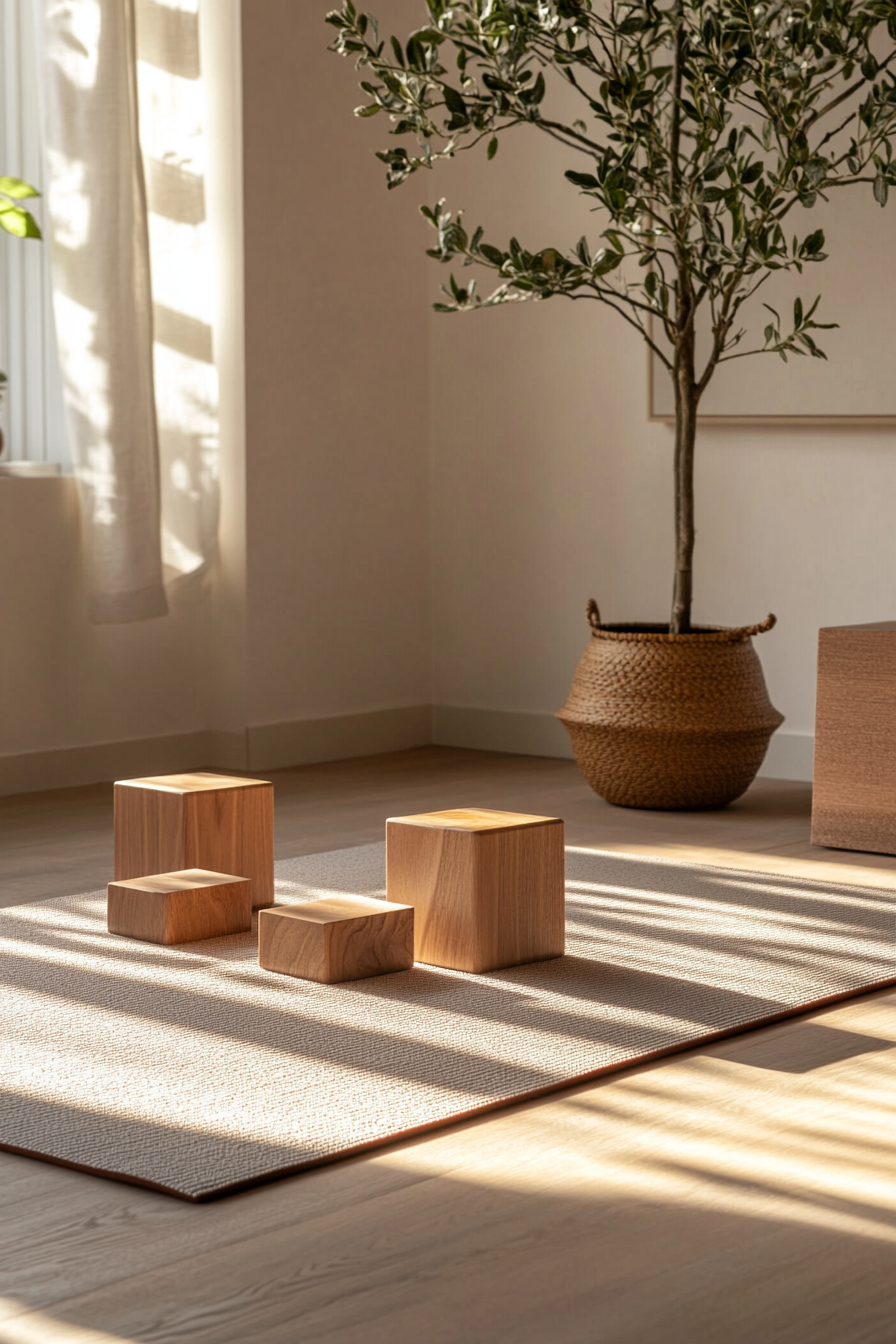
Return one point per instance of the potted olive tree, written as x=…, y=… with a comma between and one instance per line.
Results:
x=704, y=131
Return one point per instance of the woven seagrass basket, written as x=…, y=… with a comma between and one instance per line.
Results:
x=672, y=722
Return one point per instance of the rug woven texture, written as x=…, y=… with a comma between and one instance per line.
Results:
x=192, y=1070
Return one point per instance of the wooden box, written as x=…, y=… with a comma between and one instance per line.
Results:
x=487, y=887
x=199, y=820
x=854, y=785
x=339, y=938
x=180, y=907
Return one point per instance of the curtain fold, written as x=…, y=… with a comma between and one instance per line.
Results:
x=134, y=290
x=175, y=146
x=103, y=298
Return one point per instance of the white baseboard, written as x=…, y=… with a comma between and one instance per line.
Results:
x=261, y=747
x=500, y=730
x=66, y=767
x=789, y=756
x=276, y=746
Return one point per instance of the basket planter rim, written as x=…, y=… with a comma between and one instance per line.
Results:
x=645, y=633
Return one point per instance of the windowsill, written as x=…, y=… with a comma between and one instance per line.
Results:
x=30, y=470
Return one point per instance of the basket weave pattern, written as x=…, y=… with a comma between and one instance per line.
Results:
x=670, y=721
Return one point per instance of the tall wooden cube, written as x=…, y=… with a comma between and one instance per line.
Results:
x=197, y=820
x=180, y=907
x=487, y=887
x=336, y=939
x=854, y=788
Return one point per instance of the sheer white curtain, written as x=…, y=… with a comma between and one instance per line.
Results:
x=125, y=144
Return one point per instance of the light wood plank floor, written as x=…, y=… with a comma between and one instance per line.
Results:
x=735, y=1195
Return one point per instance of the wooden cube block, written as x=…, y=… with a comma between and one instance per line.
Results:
x=340, y=938
x=487, y=887
x=198, y=820
x=180, y=907
x=854, y=788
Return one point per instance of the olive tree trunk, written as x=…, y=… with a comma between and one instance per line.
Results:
x=686, y=399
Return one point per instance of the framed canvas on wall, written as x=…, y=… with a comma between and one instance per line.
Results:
x=857, y=383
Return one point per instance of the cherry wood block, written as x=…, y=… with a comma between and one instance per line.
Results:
x=200, y=820
x=854, y=786
x=487, y=887
x=182, y=907
x=339, y=938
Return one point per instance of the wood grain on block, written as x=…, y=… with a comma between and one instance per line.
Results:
x=201, y=820
x=487, y=887
x=854, y=786
x=181, y=907
x=340, y=938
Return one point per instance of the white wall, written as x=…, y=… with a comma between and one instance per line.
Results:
x=336, y=338
x=67, y=684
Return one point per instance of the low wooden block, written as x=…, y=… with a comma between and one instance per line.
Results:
x=854, y=783
x=200, y=820
x=487, y=887
x=180, y=907
x=340, y=938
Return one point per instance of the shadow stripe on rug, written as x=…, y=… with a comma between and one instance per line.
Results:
x=190, y=1070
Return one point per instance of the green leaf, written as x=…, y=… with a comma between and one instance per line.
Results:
x=716, y=165
x=709, y=195
x=813, y=244
x=797, y=312
x=453, y=101
x=881, y=189
x=582, y=180
x=816, y=172
x=752, y=173
x=492, y=147
x=18, y=222
x=609, y=263
x=15, y=188
x=536, y=93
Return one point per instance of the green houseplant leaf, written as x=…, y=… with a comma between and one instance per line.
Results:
x=14, y=218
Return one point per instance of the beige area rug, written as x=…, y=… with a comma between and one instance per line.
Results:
x=192, y=1071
